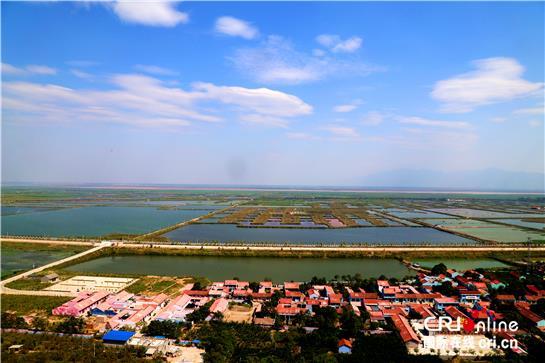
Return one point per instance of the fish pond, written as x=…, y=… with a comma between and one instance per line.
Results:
x=17, y=258
x=228, y=233
x=95, y=221
x=461, y=264
x=215, y=268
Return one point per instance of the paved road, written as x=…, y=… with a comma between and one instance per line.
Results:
x=483, y=248
x=7, y=290
x=336, y=248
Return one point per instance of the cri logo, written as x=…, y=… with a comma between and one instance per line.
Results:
x=468, y=325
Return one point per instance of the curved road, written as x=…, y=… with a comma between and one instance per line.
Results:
x=7, y=290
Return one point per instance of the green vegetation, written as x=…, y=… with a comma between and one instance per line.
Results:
x=28, y=284
x=439, y=269
x=230, y=342
x=24, y=305
x=24, y=246
x=54, y=348
x=166, y=328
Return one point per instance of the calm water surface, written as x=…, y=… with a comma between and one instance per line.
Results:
x=461, y=264
x=225, y=233
x=14, y=259
x=94, y=221
x=248, y=268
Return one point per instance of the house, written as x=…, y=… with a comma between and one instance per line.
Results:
x=264, y=322
x=81, y=304
x=119, y=337
x=506, y=299
x=406, y=332
x=50, y=278
x=441, y=303
x=291, y=285
x=469, y=296
x=531, y=317
x=345, y=346
x=15, y=348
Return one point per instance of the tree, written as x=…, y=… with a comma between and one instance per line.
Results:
x=200, y=314
x=351, y=324
x=40, y=323
x=539, y=307
x=445, y=288
x=166, y=328
x=254, y=286
x=71, y=325
x=13, y=321
x=439, y=269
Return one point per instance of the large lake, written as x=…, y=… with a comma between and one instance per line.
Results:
x=94, y=221
x=248, y=268
x=228, y=233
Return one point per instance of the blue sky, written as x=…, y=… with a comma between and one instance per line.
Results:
x=269, y=93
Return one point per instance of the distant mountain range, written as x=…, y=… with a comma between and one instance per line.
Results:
x=477, y=180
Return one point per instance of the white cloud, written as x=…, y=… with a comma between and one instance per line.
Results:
x=82, y=74
x=373, y=118
x=345, y=108
x=264, y=120
x=9, y=69
x=235, y=27
x=433, y=123
x=530, y=111
x=494, y=80
x=337, y=45
x=82, y=63
x=28, y=70
x=275, y=61
x=301, y=136
x=145, y=101
x=342, y=131
x=498, y=120
x=535, y=123
x=153, y=13
x=156, y=70
x=318, y=52
x=261, y=100
x=37, y=69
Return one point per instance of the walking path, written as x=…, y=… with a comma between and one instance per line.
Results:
x=7, y=290
x=483, y=248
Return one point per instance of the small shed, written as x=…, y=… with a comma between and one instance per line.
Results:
x=119, y=337
x=52, y=277
x=345, y=346
x=15, y=348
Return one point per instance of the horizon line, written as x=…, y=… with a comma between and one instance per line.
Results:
x=274, y=187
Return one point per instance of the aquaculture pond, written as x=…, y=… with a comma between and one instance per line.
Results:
x=16, y=259
x=501, y=233
x=479, y=213
x=95, y=221
x=522, y=223
x=461, y=264
x=228, y=233
x=247, y=268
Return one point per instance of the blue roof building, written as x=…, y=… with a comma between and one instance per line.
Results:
x=117, y=337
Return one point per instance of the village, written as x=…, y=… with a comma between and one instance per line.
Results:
x=444, y=312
